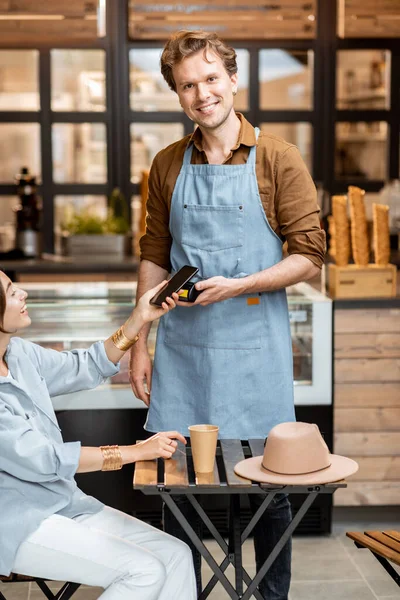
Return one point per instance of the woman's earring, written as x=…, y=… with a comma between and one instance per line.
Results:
x=234, y=92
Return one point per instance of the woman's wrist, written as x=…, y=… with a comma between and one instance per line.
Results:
x=133, y=325
x=130, y=454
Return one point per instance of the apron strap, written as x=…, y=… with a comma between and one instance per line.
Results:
x=251, y=159
x=187, y=157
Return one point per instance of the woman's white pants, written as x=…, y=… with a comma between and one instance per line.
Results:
x=110, y=549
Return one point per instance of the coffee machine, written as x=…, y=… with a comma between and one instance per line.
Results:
x=28, y=215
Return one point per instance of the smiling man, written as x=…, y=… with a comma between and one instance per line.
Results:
x=224, y=199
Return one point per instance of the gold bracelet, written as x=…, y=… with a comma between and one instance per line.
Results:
x=112, y=458
x=121, y=341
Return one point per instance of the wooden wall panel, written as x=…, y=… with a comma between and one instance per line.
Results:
x=368, y=493
x=367, y=369
x=367, y=18
x=48, y=32
x=367, y=345
x=234, y=19
x=367, y=444
x=72, y=8
x=233, y=28
x=367, y=403
x=371, y=320
x=367, y=419
x=367, y=394
x=377, y=468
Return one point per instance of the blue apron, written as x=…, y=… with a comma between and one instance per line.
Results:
x=229, y=363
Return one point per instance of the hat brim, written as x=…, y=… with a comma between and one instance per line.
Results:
x=340, y=468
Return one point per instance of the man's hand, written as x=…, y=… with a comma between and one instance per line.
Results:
x=215, y=289
x=140, y=371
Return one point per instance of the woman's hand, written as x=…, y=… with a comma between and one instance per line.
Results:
x=146, y=312
x=142, y=314
x=160, y=445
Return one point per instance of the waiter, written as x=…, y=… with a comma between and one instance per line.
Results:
x=224, y=199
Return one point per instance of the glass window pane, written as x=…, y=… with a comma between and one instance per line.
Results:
x=149, y=91
x=361, y=150
x=78, y=80
x=19, y=80
x=286, y=79
x=146, y=140
x=242, y=97
x=19, y=146
x=299, y=134
x=66, y=206
x=79, y=153
x=8, y=206
x=363, y=79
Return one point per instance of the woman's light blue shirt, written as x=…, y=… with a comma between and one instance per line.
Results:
x=37, y=468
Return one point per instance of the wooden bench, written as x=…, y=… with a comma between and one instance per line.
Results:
x=64, y=593
x=384, y=545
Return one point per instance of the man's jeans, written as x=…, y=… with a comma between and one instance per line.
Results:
x=267, y=532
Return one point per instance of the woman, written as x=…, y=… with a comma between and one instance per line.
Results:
x=48, y=527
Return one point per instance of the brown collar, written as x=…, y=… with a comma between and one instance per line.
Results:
x=246, y=137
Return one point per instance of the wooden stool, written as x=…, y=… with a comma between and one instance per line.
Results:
x=384, y=545
x=66, y=591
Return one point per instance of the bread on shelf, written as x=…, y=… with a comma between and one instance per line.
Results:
x=359, y=230
x=381, y=233
x=341, y=230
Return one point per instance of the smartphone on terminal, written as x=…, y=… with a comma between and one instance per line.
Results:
x=174, y=284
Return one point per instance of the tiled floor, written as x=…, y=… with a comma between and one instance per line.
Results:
x=324, y=568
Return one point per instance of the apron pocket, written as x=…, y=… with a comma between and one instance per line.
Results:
x=232, y=324
x=212, y=228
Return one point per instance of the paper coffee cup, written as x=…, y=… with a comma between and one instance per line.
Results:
x=203, y=440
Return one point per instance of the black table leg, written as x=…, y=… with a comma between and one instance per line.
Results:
x=235, y=546
x=224, y=546
x=233, y=551
x=168, y=499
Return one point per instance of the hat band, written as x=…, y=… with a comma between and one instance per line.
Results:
x=292, y=474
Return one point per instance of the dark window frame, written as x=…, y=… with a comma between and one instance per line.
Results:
x=118, y=115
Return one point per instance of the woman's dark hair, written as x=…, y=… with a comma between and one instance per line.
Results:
x=3, y=302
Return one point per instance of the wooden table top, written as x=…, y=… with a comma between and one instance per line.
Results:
x=178, y=472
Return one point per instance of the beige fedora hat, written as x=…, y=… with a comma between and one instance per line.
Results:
x=296, y=454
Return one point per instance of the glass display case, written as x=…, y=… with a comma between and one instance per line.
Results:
x=69, y=315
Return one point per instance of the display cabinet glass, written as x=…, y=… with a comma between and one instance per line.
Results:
x=19, y=145
x=79, y=152
x=286, y=79
x=78, y=80
x=363, y=79
x=19, y=88
x=149, y=91
x=361, y=150
x=69, y=315
x=146, y=140
x=8, y=207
